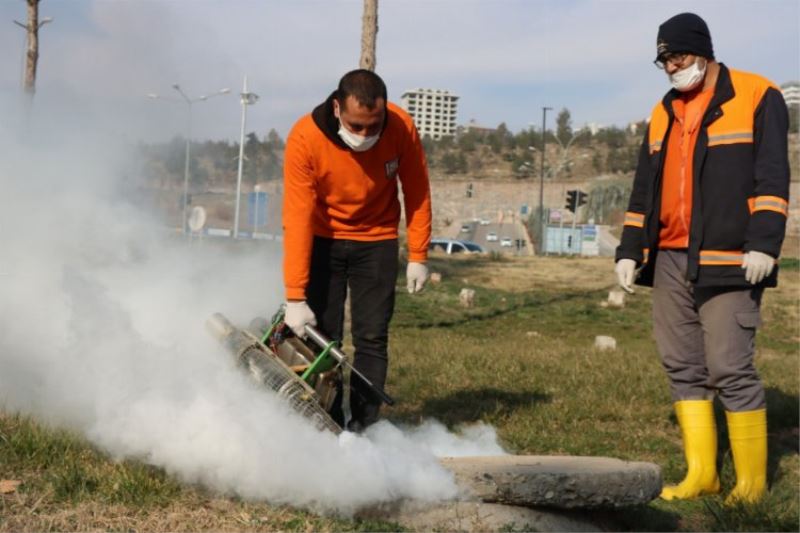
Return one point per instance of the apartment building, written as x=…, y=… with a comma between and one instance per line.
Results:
x=791, y=93
x=433, y=111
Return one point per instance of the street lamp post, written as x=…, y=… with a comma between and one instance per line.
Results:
x=189, y=101
x=247, y=99
x=541, y=179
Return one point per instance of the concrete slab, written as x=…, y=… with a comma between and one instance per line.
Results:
x=478, y=516
x=565, y=482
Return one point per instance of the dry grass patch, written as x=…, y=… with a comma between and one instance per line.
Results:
x=525, y=273
x=187, y=514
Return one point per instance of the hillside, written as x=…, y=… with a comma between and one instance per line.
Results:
x=476, y=174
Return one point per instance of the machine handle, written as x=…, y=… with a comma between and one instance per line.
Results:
x=322, y=341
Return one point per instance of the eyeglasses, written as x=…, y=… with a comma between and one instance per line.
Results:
x=675, y=59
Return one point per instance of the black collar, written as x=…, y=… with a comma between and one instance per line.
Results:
x=328, y=124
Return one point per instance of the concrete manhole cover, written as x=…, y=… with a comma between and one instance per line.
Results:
x=565, y=482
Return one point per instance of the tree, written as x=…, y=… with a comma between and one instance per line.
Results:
x=197, y=173
x=273, y=162
x=522, y=167
x=504, y=135
x=526, y=139
x=622, y=159
x=254, y=159
x=369, y=34
x=251, y=143
x=174, y=156
x=564, y=127
x=614, y=137
x=446, y=142
x=467, y=141
x=495, y=143
x=429, y=147
x=32, y=54
x=597, y=161
x=565, y=137
x=454, y=163
x=274, y=140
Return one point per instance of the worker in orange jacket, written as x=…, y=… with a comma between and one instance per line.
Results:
x=704, y=228
x=342, y=167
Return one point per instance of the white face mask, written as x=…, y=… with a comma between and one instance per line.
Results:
x=690, y=77
x=358, y=143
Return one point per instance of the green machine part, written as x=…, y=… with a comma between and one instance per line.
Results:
x=322, y=362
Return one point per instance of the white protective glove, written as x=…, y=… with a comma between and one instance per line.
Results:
x=626, y=273
x=757, y=266
x=297, y=315
x=416, y=276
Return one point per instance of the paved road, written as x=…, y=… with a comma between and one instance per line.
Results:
x=479, y=234
x=607, y=242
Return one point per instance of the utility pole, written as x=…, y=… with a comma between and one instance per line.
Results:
x=369, y=35
x=541, y=179
x=32, y=53
x=247, y=98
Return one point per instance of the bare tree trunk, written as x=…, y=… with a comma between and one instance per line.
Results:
x=33, y=47
x=369, y=34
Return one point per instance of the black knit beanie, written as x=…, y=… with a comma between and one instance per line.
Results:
x=684, y=33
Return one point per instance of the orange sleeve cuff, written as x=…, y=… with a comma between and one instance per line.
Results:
x=418, y=257
x=295, y=293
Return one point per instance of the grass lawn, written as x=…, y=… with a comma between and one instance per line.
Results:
x=522, y=360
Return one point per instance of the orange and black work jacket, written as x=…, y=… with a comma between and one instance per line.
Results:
x=740, y=183
x=334, y=192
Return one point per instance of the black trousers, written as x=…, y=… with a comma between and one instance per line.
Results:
x=369, y=269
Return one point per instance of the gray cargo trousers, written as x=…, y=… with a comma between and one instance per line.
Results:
x=706, y=336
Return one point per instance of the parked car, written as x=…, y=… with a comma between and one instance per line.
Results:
x=505, y=241
x=491, y=236
x=466, y=228
x=473, y=247
x=454, y=246
x=484, y=222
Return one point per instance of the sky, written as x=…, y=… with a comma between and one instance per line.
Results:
x=506, y=59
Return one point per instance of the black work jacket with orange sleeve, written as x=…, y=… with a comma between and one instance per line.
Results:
x=740, y=183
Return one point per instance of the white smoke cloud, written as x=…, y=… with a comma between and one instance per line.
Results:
x=102, y=317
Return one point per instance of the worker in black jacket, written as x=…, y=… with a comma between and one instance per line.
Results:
x=704, y=228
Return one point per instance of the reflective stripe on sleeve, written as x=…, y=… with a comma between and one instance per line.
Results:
x=634, y=219
x=721, y=257
x=770, y=203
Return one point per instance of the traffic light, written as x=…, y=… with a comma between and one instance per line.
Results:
x=575, y=199
x=582, y=196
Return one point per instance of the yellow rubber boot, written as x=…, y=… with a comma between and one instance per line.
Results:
x=748, y=435
x=699, y=431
